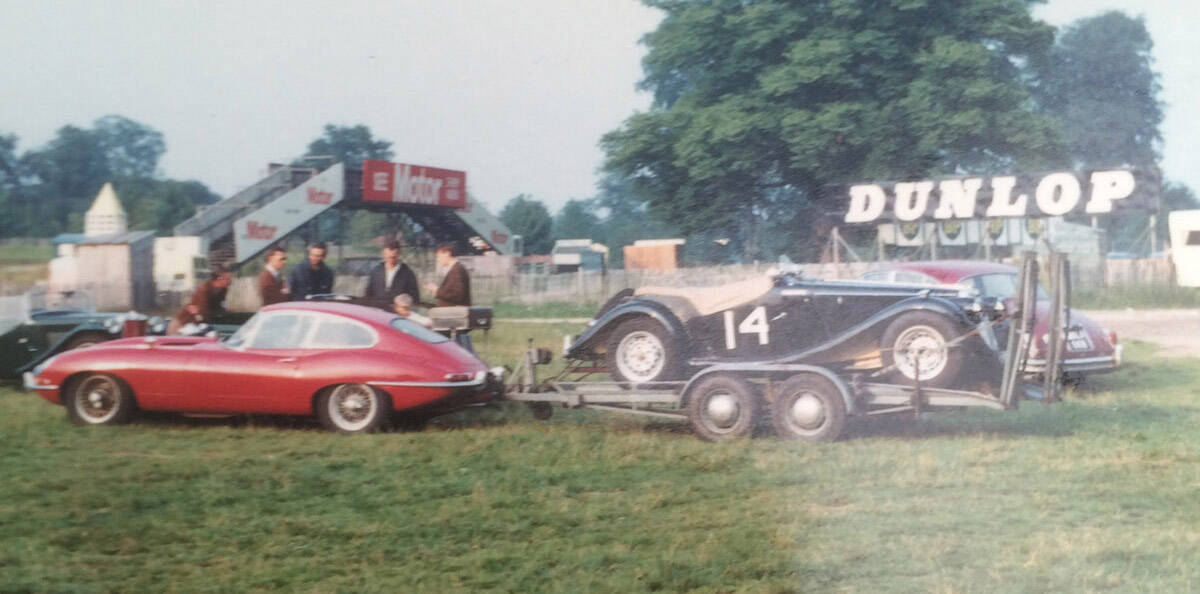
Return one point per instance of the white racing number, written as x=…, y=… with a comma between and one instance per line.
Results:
x=755, y=323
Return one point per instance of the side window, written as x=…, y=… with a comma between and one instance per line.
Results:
x=906, y=276
x=334, y=333
x=281, y=331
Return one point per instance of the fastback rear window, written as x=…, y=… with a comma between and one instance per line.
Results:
x=417, y=331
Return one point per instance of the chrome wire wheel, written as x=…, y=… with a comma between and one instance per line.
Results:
x=97, y=400
x=641, y=356
x=920, y=349
x=353, y=407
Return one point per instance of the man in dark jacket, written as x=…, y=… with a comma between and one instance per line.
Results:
x=456, y=285
x=390, y=278
x=312, y=277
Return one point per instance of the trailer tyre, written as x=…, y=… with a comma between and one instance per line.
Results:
x=641, y=350
x=722, y=407
x=808, y=407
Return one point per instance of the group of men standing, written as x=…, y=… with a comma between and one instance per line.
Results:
x=391, y=285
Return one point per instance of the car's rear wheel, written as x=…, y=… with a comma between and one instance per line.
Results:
x=809, y=408
x=640, y=350
x=353, y=408
x=99, y=399
x=722, y=407
x=918, y=343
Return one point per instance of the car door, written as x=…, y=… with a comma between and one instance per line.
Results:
x=258, y=372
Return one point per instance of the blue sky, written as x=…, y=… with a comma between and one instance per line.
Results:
x=515, y=93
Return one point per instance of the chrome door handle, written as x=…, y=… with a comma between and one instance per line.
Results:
x=288, y=360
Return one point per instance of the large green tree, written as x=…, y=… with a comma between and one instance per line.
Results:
x=1099, y=85
x=529, y=218
x=349, y=144
x=758, y=105
x=577, y=219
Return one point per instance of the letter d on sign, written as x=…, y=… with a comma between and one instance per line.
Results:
x=1108, y=186
x=866, y=203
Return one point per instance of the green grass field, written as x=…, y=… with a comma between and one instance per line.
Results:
x=1096, y=493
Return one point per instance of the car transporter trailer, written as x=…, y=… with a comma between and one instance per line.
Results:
x=810, y=402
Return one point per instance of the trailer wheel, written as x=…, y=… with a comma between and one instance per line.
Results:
x=542, y=411
x=809, y=408
x=723, y=407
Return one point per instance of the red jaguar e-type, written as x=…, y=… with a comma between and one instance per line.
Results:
x=354, y=367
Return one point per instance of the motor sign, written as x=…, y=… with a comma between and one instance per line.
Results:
x=384, y=181
x=258, y=230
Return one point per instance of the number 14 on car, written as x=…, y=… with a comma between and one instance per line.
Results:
x=755, y=323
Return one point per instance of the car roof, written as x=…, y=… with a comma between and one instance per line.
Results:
x=361, y=313
x=952, y=271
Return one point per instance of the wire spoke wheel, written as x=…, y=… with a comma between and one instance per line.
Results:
x=353, y=408
x=98, y=399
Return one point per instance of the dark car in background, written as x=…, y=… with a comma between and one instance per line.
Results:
x=36, y=325
x=1090, y=348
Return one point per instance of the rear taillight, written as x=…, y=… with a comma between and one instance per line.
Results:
x=458, y=377
x=1112, y=338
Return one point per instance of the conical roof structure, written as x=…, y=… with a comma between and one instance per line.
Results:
x=106, y=216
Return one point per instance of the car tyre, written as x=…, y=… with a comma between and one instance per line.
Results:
x=640, y=351
x=99, y=399
x=926, y=335
x=809, y=408
x=353, y=408
x=723, y=407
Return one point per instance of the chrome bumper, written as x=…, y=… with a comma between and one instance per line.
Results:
x=30, y=382
x=1101, y=364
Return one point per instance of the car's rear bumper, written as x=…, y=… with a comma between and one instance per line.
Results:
x=1081, y=365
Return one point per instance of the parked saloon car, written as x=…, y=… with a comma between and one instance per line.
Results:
x=35, y=326
x=1090, y=348
x=661, y=334
x=353, y=367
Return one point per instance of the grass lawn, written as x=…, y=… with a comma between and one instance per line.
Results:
x=1097, y=493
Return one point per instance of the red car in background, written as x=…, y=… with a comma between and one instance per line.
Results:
x=1090, y=348
x=353, y=367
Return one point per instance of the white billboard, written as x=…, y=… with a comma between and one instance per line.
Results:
x=490, y=228
x=267, y=225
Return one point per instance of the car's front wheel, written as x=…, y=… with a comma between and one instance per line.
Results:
x=917, y=346
x=353, y=408
x=640, y=350
x=99, y=399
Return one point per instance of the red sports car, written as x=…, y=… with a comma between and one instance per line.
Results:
x=1090, y=347
x=353, y=367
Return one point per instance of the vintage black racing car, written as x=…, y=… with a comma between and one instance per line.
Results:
x=666, y=333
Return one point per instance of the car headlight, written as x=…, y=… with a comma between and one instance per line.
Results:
x=114, y=324
x=156, y=325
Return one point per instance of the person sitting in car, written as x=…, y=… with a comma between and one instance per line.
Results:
x=402, y=305
x=208, y=299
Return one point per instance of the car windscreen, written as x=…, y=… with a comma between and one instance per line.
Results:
x=417, y=331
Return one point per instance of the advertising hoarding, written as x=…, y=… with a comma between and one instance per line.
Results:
x=384, y=181
x=1054, y=194
x=258, y=230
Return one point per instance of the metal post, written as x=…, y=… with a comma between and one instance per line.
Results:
x=837, y=248
x=933, y=253
x=1153, y=233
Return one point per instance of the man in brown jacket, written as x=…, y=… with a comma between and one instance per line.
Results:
x=456, y=285
x=272, y=286
x=208, y=299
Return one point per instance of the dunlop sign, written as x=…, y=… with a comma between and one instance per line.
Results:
x=1049, y=195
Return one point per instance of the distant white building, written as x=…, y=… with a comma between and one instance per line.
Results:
x=114, y=265
x=106, y=216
